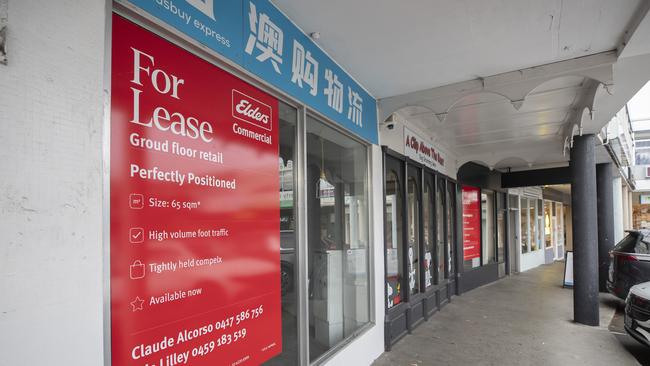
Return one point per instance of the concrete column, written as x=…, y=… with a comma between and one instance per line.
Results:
x=585, y=233
x=605, y=220
x=617, y=184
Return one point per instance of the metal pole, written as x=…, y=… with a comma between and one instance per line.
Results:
x=585, y=239
x=605, y=220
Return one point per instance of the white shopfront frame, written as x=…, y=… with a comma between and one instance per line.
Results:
x=364, y=345
x=531, y=259
x=558, y=231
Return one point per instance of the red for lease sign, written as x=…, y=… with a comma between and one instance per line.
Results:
x=471, y=222
x=194, y=210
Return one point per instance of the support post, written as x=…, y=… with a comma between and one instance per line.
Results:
x=617, y=184
x=585, y=233
x=605, y=189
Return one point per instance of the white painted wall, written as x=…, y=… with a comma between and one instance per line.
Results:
x=531, y=260
x=51, y=184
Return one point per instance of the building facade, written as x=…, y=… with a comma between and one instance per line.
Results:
x=200, y=182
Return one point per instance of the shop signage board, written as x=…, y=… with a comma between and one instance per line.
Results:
x=419, y=149
x=194, y=210
x=261, y=39
x=471, y=223
x=568, y=269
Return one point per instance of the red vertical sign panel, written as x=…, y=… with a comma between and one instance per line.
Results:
x=471, y=222
x=195, y=236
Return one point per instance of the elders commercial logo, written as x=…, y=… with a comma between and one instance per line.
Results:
x=251, y=110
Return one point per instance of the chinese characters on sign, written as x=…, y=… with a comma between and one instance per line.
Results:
x=193, y=281
x=205, y=6
x=267, y=43
x=266, y=37
x=355, y=109
x=334, y=91
x=304, y=68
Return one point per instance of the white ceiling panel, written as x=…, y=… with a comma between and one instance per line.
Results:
x=497, y=81
x=395, y=47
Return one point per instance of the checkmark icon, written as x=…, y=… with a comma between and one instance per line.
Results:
x=136, y=235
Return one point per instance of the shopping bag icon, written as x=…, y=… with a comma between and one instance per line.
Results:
x=137, y=270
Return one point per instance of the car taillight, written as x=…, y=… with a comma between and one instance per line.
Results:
x=627, y=258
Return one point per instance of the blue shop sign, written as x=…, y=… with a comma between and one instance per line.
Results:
x=257, y=36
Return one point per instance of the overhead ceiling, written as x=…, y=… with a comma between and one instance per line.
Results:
x=479, y=122
x=505, y=83
x=394, y=47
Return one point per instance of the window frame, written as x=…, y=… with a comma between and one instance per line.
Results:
x=435, y=177
x=370, y=265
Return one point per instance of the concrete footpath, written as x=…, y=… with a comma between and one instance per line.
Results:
x=524, y=319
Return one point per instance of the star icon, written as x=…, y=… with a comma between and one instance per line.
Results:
x=137, y=304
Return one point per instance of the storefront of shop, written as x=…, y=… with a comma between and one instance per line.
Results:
x=531, y=227
x=553, y=231
x=201, y=182
x=539, y=218
x=240, y=192
x=486, y=228
x=420, y=227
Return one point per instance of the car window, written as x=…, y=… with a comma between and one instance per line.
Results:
x=642, y=247
x=628, y=244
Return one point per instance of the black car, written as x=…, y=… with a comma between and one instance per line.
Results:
x=637, y=313
x=287, y=261
x=629, y=263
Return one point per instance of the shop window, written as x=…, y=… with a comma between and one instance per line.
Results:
x=540, y=224
x=413, y=217
x=427, y=230
x=451, y=226
x=559, y=219
x=548, y=224
x=337, y=206
x=524, y=224
x=487, y=227
x=501, y=227
x=532, y=206
x=288, y=258
x=440, y=230
x=471, y=227
x=393, y=238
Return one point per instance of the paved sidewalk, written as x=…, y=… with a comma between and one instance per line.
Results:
x=525, y=319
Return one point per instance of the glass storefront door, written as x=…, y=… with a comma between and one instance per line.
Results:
x=441, y=257
x=450, y=230
x=288, y=257
x=413, y=228
x=428, y=229
x=393, y=232
x=514, y=228
x=337, y=206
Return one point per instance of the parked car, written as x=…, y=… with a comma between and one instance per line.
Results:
x=629, y=263
x=637, y=313
x=287, y=260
